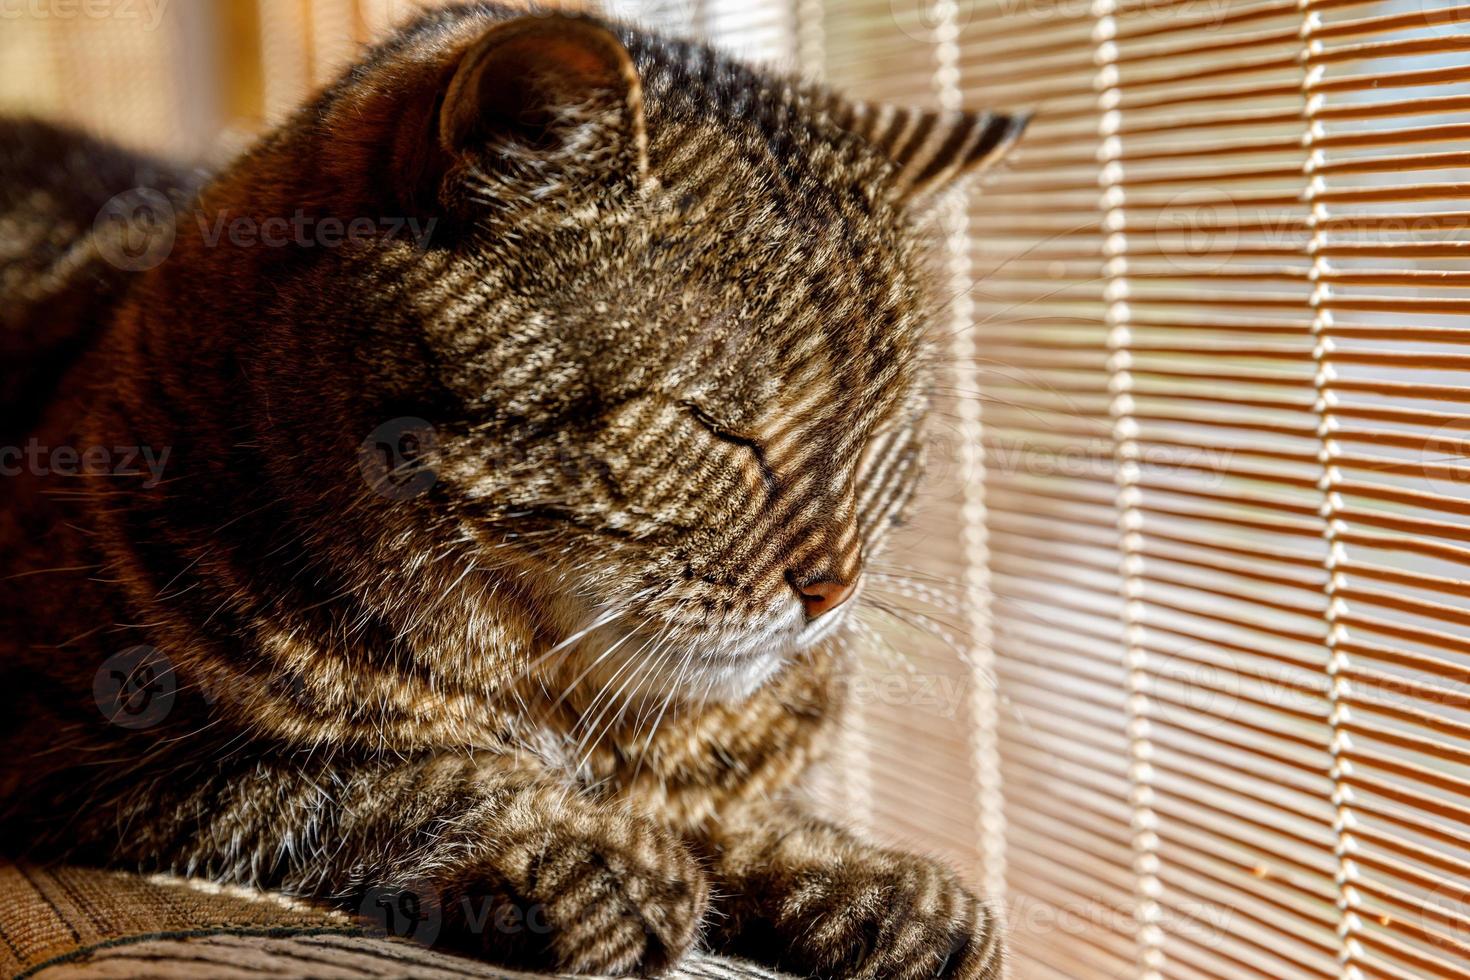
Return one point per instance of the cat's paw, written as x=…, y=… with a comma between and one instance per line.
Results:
x=886, y=916
x=620, y=907
x=623, y=898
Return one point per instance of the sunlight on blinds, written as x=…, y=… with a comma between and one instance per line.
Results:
x=1215, y=308
x=1211, y=371
x=1042, y=365
x=1389, y=107
x=921, y=713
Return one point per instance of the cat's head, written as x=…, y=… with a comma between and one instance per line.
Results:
x=669, y=337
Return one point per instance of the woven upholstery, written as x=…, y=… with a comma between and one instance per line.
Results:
x=58, y=923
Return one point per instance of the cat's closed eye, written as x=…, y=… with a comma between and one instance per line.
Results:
x=729, y=434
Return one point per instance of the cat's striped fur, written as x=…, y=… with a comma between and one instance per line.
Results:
x=559, y=654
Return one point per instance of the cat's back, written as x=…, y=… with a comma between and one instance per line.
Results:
x=56, y=284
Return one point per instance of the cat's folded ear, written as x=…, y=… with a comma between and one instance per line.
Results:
x=930, y=149
x=553, y=99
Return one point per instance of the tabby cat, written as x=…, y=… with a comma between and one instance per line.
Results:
x=449, y=510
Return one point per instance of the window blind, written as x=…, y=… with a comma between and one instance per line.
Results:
x=923, y=719
x=1174, y=658
x=1386, y=181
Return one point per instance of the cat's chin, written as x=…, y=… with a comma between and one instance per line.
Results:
x=735, y=679
x=639, y=661
x=735, y=673
x=730, y=680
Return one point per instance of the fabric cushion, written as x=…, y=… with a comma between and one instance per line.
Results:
x=82, y=922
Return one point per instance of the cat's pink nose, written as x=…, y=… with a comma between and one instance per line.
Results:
x=820, y=598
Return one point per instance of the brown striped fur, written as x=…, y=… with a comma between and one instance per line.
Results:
x=670, y=335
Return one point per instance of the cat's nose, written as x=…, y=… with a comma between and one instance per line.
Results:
x=821, y=597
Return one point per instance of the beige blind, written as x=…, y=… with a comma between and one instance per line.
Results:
x=1388, y=92
x=1215, y=550
x=1175, y=657
x=922, y=765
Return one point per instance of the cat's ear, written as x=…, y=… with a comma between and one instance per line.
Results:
x=931, y=149
x=544, y=93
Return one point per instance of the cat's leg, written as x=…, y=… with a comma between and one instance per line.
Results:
x=500, y=861
x=805, y=895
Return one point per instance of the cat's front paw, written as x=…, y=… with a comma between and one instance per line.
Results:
x=620, y=907
x=623, y=898
x=884, y=916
